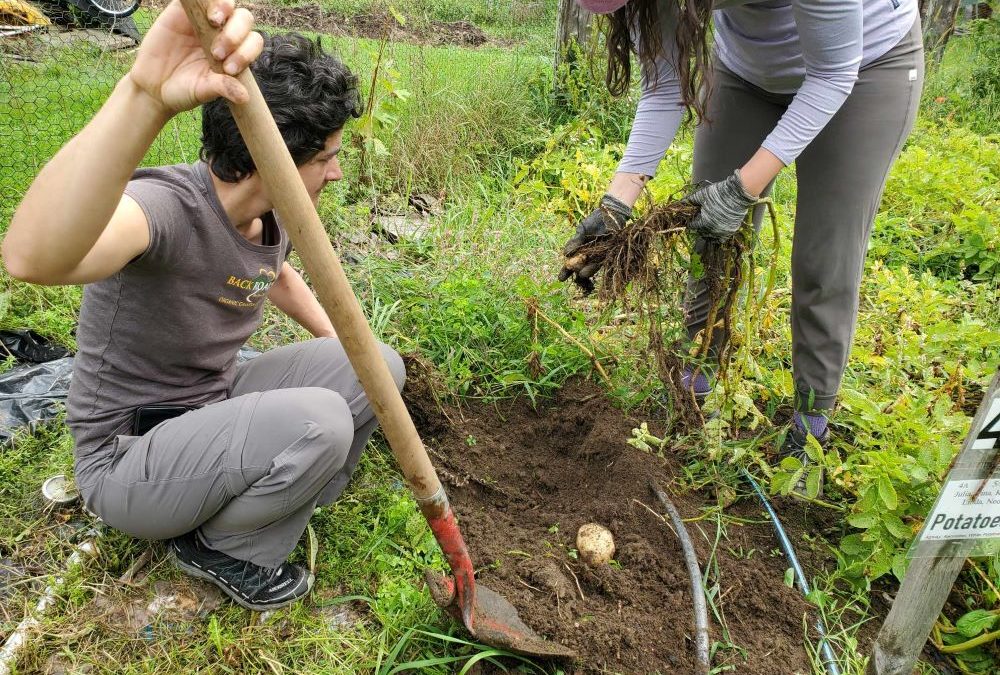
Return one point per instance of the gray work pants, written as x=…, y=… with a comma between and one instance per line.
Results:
x=841, y=176
x=247, y=472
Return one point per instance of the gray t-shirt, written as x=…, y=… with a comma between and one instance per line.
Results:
x=168, y=326
x=810, y=48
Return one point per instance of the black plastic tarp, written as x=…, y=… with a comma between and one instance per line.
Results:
x=33, y=393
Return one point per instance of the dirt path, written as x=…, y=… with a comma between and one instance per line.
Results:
x=522, y=482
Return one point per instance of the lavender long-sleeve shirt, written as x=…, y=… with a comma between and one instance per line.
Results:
x=810, y=48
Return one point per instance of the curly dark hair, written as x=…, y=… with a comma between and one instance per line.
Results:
x=311, y=94
x=692, y=47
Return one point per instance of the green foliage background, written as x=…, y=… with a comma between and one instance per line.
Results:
x=515, y=169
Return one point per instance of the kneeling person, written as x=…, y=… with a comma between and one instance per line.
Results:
x=175, y=439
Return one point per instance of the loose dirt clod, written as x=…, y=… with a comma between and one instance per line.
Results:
x=545, y=575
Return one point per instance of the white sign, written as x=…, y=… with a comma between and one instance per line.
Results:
x=969, y=508
x=955, y=517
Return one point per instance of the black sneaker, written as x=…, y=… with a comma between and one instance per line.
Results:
x=795, y=446
x=252, y=586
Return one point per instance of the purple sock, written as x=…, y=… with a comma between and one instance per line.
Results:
x=814, y=422
x=702, y=387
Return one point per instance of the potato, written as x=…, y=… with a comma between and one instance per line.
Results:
x=595, y=544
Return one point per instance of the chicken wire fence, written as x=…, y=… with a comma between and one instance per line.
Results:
x=60, y=59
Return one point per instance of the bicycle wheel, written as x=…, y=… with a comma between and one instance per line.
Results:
x=115, y=8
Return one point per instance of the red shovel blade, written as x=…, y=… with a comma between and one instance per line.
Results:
x=494, y=620
x=487, y=615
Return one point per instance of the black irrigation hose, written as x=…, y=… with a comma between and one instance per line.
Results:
x=786, y=545
x=697, y=587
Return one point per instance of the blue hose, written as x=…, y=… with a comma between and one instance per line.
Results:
x=824, y=645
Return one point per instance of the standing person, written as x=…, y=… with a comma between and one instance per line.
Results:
x=831, y=85
x=174, y=439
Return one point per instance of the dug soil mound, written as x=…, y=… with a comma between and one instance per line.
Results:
x=523, y=480
x=375, y=25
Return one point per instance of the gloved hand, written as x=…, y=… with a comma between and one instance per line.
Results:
x=723, y=208
x=609, y=217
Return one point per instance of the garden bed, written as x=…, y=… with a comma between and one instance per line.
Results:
x=522, y=481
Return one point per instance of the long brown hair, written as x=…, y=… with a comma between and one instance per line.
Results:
x=692, y=47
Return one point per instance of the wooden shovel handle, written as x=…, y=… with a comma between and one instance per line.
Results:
x=298, y=216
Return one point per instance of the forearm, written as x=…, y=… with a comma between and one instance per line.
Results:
x=759, y=171
x=74, y=196
x=626, y=187
x=653, y=129
x=293, y=297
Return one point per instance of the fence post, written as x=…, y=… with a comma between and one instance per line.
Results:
x=928, y=580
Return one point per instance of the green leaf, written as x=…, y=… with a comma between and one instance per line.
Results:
x=879, y=564
x=376, y=147
x=887, y=493
x=862, y=521
x=899, y=565
x=869, y=499
x=793, y=480
x=814, y=480
x=697, y=266
x=896, y=526
x=813, y=449
x=975, y=622
x=791, y=464
x=790, y=577
x=818, y=597
x=852, y=544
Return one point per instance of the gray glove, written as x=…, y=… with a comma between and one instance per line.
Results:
x=723, y=208
x=609, y=217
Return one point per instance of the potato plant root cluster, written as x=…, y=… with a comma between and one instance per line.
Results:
x=645, y=267
x=523, y=480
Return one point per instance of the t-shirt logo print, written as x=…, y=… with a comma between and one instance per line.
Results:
x=261, y=283
x=257, y=287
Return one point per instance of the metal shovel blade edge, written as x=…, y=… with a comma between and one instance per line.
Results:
x=494, y=620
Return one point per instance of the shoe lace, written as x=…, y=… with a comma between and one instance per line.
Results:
x=251, y=577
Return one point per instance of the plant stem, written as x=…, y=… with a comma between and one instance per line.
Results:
x=970, y=644
x=533, y=306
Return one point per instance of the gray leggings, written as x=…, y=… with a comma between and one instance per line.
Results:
x=841, y=176
x=247, y=472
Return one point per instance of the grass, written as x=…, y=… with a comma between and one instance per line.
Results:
x=515, y=174
x=966, y=86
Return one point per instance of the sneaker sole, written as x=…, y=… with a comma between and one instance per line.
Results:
x=236, y=597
